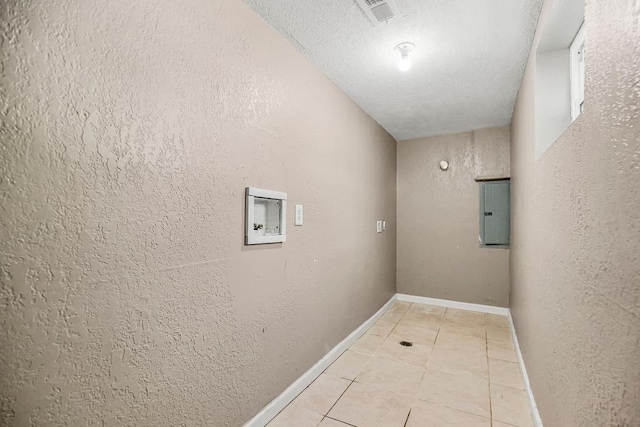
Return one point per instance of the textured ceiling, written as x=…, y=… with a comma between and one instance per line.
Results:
x=467, y=66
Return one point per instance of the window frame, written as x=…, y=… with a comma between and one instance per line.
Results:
x=577, y=72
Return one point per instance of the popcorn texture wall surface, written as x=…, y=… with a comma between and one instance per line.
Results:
x=575, y=235
x=129, y=131
x=439, y=255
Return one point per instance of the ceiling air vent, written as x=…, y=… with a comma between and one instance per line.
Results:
x=379, y=10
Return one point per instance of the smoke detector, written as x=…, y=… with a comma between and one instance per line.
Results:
x=379, y=11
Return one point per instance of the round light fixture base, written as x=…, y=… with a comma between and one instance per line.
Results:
x=405, y=49
x=444, y=165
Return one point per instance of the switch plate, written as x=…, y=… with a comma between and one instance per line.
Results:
x=384, y=225
x=379, y=226
x=298, y=216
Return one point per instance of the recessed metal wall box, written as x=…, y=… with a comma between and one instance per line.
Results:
x=494, y=214
x=265, y=215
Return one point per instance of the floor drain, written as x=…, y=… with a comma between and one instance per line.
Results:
x=406, y=343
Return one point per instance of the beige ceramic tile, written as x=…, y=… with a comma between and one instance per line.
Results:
x=398, y=377
x=424, y=320
x=392, y=316
x=367, y=344
x=370, y=406
x=382, y=328
x=296, y=416
x=451, y=341
x=505, y=373
x=469, y=393
x=502, y=350
x=401, y=305
x=459, y=361
x=415, y=334
x=497, y=320
x=498, y=333
x=328, y=422
x=321, y=394
x=471, y=329
x=495, y=423
x=426, y=309
x=429, y=415
x=511, y=406
x=417, y=354
x=422, y=315
x=397, y=310
x=348, y=365
x=464, y=317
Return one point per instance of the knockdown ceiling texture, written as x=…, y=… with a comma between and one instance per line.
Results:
x=467, y=66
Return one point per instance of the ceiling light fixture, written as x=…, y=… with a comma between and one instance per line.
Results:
x=405, y=49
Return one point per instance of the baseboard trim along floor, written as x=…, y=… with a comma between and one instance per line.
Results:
x=525, y=378
x=454, y=304
x=283, y=399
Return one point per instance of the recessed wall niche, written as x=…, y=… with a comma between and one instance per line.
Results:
x=559, y=72
x=265, y=216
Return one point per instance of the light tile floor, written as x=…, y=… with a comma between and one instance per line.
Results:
x=460, y=371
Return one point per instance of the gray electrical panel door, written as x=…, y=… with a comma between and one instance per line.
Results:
x=494, y=213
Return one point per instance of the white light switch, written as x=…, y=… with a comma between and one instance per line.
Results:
x=379, y=226
x=384, y=225
x=298, y=216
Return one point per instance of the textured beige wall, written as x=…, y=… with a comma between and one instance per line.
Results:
x=129, y=131
x=438, y=250
x=575, y=236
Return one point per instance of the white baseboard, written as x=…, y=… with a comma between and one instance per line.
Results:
x=283, y=399
x=454, y=304
x=525, y=378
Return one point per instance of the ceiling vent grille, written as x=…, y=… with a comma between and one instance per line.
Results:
x=379, y=11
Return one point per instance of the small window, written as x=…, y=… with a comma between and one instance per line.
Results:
x=559, y=72
x=494, y=213
x=577, y=74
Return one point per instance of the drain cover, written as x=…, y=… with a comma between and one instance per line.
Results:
x=406, y=343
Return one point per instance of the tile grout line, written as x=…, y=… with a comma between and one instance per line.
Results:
x=508, y=386
x=342, y=422
x=490, y=419
x=433, y=346
x=425, y=367
x=338, y=399
x=457, y=409
x=351, y=381
x=388, y=335
x=407, y=420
